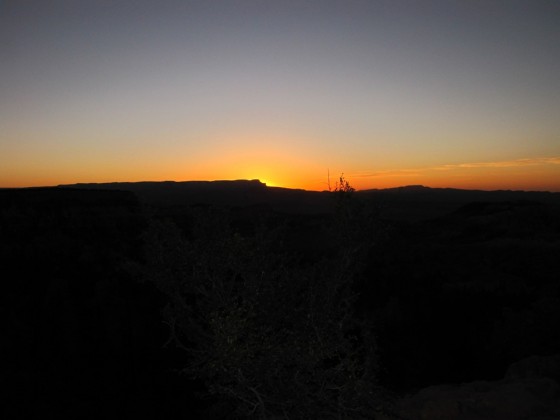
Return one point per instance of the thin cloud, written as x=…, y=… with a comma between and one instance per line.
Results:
x=503, y=164
x=470, y=165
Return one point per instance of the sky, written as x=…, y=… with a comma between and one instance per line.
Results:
x=462, y=94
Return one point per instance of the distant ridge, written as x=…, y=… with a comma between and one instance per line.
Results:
x=240, y=183
x=423, y=188
x=404, y=188
x=410, y=202
x=417, y=202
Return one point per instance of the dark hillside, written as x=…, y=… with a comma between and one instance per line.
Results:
x=461, y=297
x=241, y=193
x=80, y=332
x=102, y=287
x=416, y=202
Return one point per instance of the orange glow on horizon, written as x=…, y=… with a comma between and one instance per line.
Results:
x=278, y=169
x=541, y=174
x=466, y=183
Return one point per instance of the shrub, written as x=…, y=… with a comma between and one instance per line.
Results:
x=275, y=337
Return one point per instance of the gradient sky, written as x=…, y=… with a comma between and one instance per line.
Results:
x=442, y=93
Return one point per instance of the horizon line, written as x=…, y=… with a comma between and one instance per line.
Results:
x=169, y=181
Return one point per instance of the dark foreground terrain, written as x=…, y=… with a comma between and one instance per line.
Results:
x=235, y=300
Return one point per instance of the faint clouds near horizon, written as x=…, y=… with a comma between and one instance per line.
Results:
x=536, y=174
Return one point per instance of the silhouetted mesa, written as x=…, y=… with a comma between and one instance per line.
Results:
x=239, y=193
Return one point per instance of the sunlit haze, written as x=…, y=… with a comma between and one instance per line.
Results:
x=439, y=93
